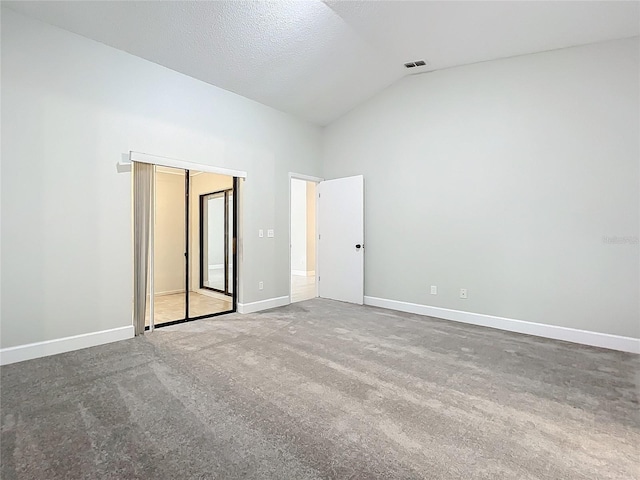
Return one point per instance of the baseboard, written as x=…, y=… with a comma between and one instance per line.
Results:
x=213, y=294
x=62, y=345
x=263, y=305
x=303, y=273
x=584, y=337
x=168, y=292
x=201, y=291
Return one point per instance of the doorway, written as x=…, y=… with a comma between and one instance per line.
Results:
x=303, y=234
x=193, y=238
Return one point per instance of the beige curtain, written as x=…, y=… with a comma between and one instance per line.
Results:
x=142, y=194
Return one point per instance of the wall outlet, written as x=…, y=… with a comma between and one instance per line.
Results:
x=260, y=285
x=270, y=233
x=261, y=233
x=434, y=290
x=463, y=293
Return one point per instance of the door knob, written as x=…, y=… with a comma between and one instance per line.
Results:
x=358, y=246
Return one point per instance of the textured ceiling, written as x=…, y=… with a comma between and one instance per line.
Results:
x=319, y=60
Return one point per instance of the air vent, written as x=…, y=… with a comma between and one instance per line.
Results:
x=417, y=63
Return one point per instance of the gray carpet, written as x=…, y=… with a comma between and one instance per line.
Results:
x=324, y=390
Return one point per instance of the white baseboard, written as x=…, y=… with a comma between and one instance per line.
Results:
x=62, y=345
x=168, y=292
x=585, y=337
x=263, y=305
x=303, y=273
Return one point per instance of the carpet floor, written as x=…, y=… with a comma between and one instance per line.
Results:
x=322, y=389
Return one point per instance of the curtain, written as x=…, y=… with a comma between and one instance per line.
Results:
x=142, y=192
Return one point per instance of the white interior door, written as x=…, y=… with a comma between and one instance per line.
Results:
x=341, y=239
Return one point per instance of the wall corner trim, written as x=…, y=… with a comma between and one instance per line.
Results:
x=30, y=351
x=584, y=337
x=263, y=305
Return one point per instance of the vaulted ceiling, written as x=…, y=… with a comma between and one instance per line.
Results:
x=317, y=60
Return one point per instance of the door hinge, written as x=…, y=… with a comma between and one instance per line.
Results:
x=319, y=236
x=318, y=277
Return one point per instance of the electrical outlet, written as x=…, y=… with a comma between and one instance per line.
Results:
x=270, y=233
x=463, y=293
x=434, y=290
x=261, y=233
x=260, y=285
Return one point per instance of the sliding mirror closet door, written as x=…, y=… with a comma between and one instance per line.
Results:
x=211, y=227
x=169, y=252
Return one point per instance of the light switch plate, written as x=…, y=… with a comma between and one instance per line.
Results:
x=261, y=233
x=270, y=233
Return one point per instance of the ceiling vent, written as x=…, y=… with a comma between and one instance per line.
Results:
x=417, y=63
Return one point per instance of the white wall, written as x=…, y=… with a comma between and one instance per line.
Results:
x=298, y=225
x=504, y=178
x=70, y=108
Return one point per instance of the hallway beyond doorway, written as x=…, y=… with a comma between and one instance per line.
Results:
x=302, y=288
x=303, y=234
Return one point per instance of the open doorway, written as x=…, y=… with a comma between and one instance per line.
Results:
x=303, y=240
x=192, y=248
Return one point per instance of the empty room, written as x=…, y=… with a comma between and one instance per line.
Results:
x=320, y=240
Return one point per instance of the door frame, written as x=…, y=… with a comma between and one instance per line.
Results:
x=316, y=180
x=181, y=164
x=159, y=161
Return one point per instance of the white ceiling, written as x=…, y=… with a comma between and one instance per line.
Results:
x=318, y=60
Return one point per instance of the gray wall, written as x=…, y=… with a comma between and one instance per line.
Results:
x=70, y=108
x=504, y=178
